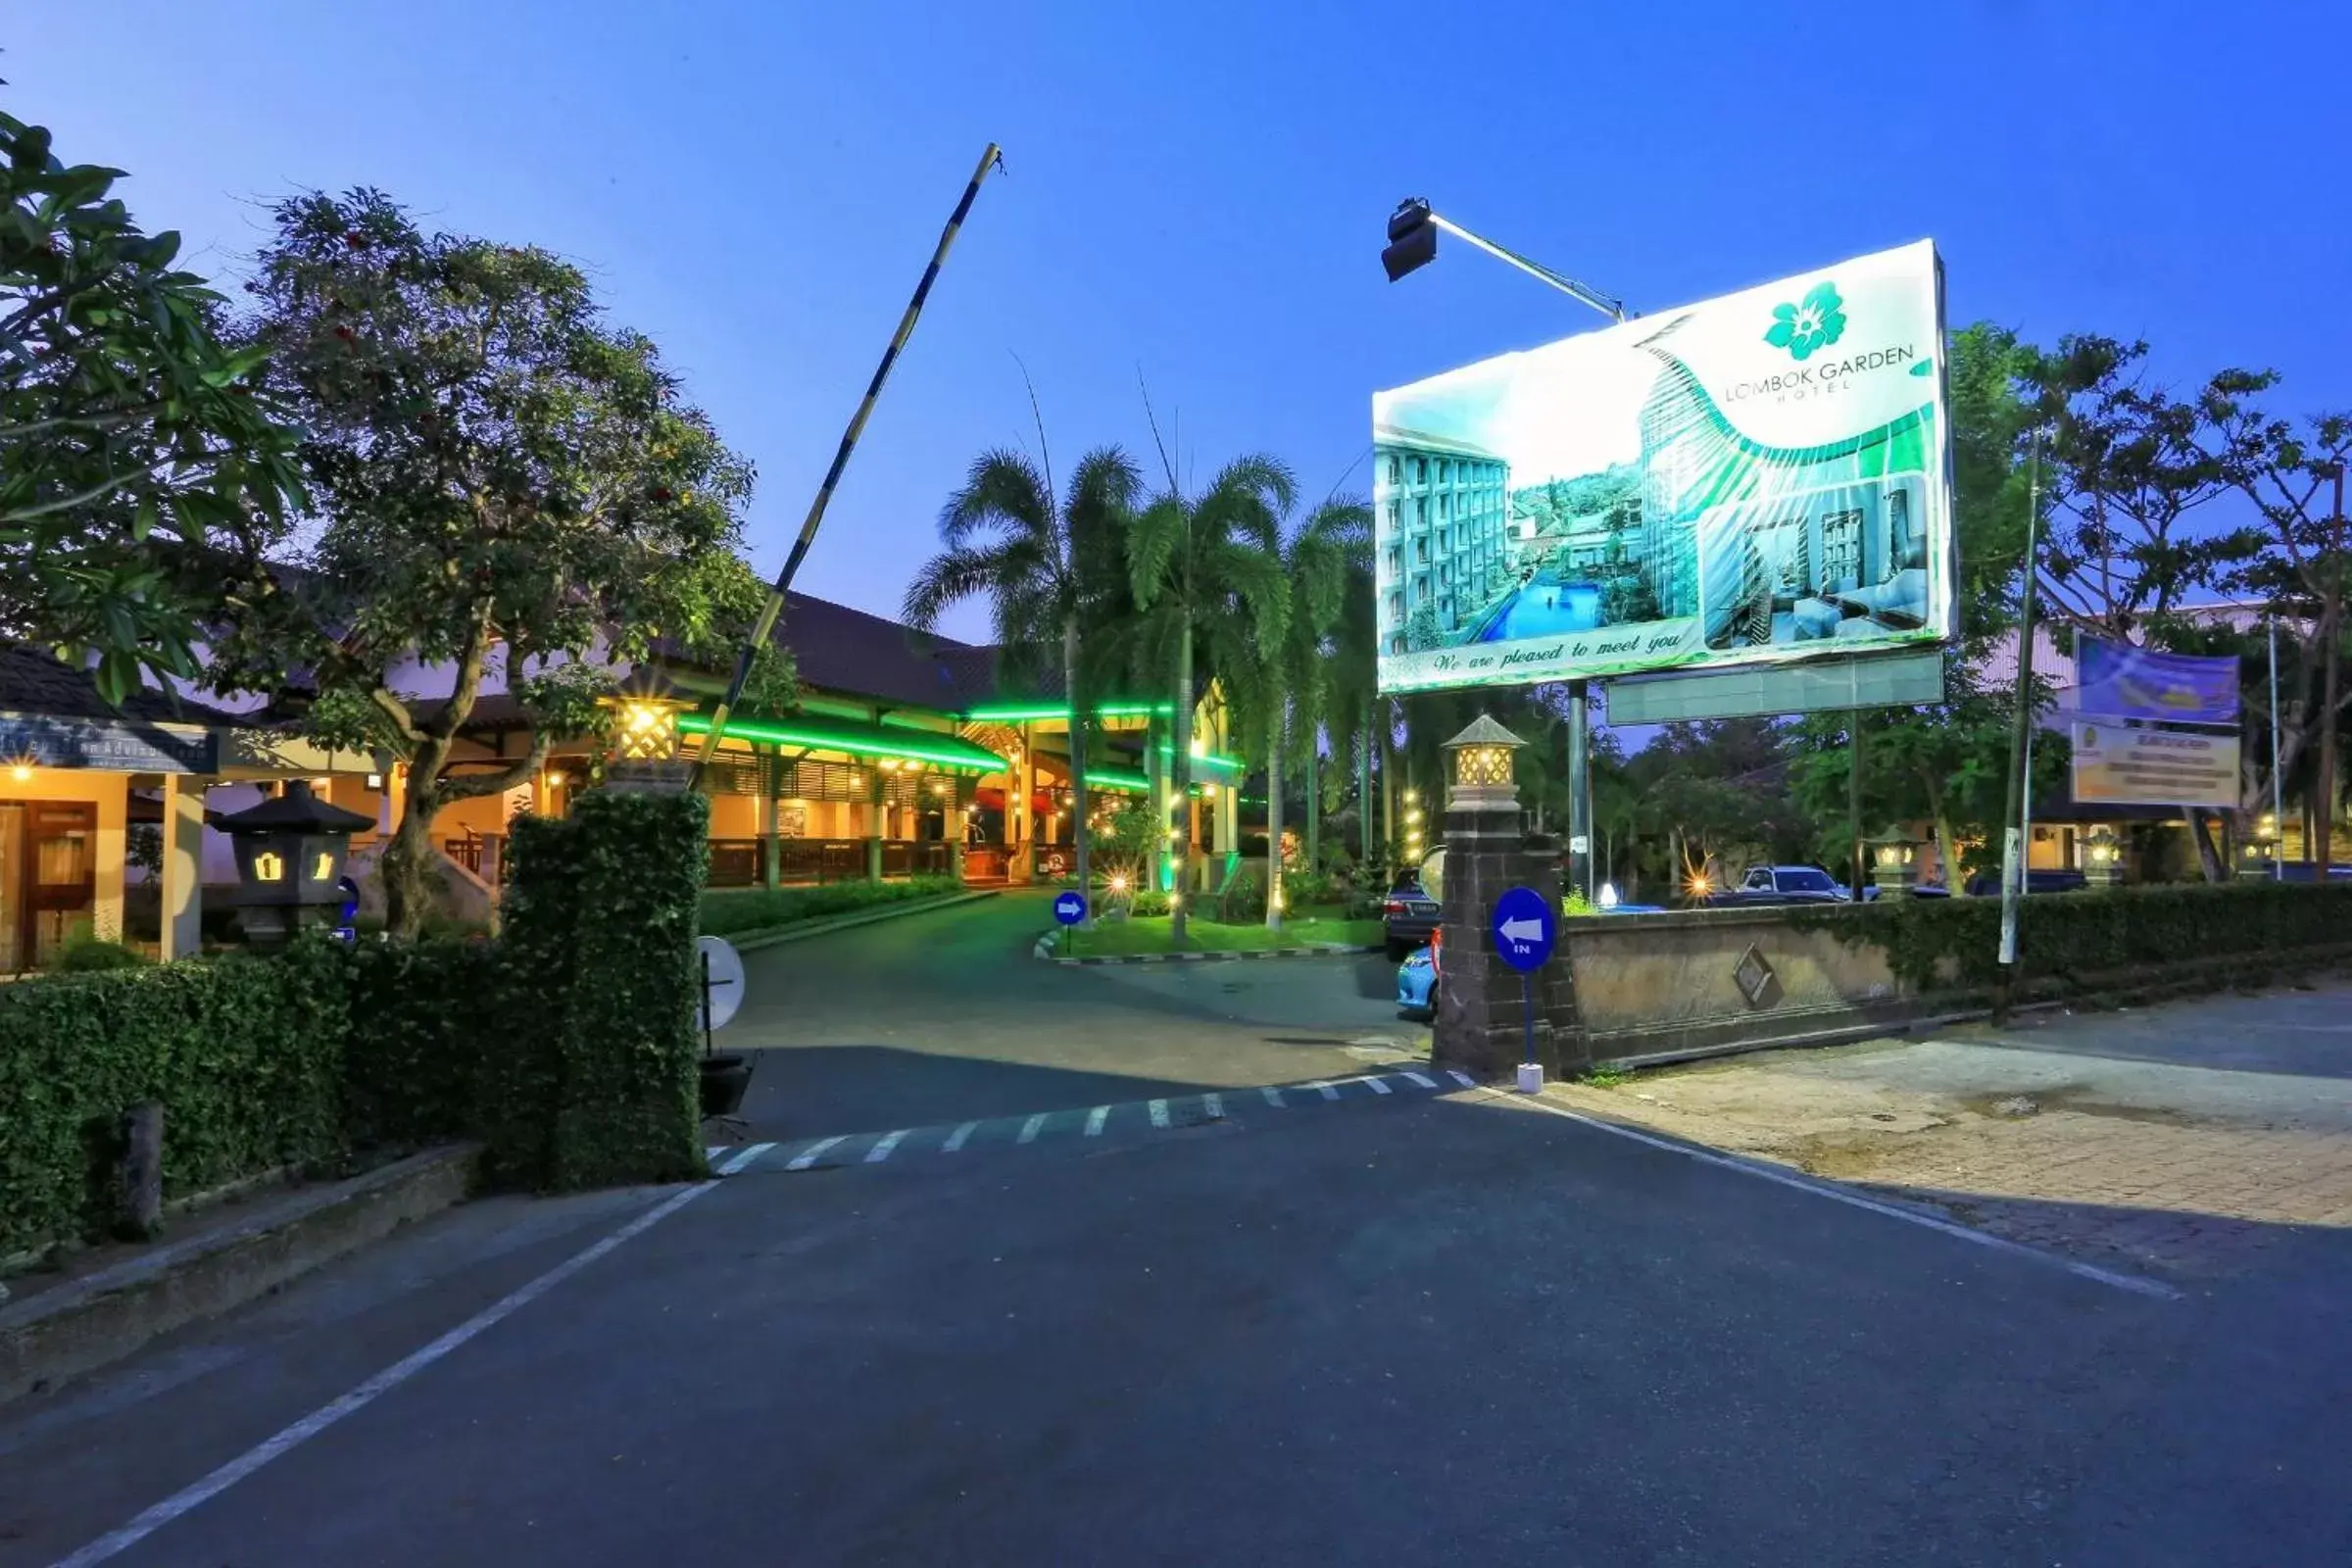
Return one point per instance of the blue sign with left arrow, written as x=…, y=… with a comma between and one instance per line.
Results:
x=1525, y=928
x=1070, y=907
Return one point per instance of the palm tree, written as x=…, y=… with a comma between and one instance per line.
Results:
x=1208, y=568
x=1318, y=562
x=1043, y=562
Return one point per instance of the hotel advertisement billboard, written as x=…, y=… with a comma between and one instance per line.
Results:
x=1757, y=478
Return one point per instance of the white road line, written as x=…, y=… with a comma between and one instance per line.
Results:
x=1029, y=1128
x=1461, y=1077
x=194, y=1496
x=2136, y=1284
x=743, y=1157
x=808, y=1156
x=1160, y=1114
x=956, y=1138
x=886, y=1145
x=1379, y=1086
x=1423, y=1079
x=1214, y=1104
x=1326, y=1090
x=712, y=1153
x=1095, y=1119
x=1273, y=1097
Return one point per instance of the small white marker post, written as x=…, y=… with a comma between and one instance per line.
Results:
x=1531, y=1072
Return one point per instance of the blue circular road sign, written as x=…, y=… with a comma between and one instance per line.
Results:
x=1525, y=928
x=1070, y=907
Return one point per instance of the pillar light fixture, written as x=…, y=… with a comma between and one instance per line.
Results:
x=1482, y=755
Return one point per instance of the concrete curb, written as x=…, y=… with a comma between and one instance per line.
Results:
x=777, y=935
x=102, y=1317
x=1045, y=943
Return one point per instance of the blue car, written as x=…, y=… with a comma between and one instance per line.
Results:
x=1418, y=984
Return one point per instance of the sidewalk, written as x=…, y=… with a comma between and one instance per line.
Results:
x=2177, y=1138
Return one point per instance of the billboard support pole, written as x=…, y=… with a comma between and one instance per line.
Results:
x=1580, y=795
x=1853, y=797
x=2021, y=736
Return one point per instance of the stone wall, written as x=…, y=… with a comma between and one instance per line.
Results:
x=1661, y=984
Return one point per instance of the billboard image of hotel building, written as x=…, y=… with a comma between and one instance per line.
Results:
x=1759, y=477
x=1441, y=509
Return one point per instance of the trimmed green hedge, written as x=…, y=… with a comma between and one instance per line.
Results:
x=244, y=1054
x=599, y=927
x=2069, y=940
x=727, y=910
x=426, y=1021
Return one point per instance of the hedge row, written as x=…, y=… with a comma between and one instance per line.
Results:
x=727, y=910
x=2068, y=940
x=599, y=921
x=569, y=1047
x=244, y=1054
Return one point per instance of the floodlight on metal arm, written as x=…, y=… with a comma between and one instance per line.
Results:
x=1413, y=244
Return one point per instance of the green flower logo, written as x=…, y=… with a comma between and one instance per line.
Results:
x=1801, y=328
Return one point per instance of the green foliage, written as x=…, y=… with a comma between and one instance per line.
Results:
x=1150, y=903
x=244, y=1054
x=726, y=912
x=426, y=1018
x=84, y=953
x=2078, y=941
x=508, y=483
x=599, y=922
x=129, y=432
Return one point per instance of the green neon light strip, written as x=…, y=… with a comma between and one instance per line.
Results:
x=748, y=729
x=1015, y=713
x=1234, y=764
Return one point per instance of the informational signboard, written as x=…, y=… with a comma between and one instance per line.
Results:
x=32, y=741
x=2116, y=681
x=1759, y=478
x=2116, y=765
x=1525, y=928
x=719, y=982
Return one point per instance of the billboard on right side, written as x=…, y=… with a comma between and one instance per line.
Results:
x=1760, y=477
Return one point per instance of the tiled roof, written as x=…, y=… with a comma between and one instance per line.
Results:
x=32, y=681
x=843, y=650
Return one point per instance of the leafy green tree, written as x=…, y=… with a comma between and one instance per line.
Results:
x=506, y=483
x=1206, y=568
x=1043, y=563
x=135, y=447
x=1289, y=694
x=2293, y=474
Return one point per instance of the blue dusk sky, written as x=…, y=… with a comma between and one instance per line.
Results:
x=1196, y=192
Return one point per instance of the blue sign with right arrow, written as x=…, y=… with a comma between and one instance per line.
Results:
x=1525, y=928
x=1070, y=907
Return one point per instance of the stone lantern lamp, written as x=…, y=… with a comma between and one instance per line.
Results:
x=2103, y=859
x=1894, y=855
x=290, y=852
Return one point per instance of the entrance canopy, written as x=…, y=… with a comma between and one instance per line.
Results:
x=890, y=742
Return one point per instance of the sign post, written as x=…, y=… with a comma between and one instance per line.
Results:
x=1069, y=908
x=1525, y=927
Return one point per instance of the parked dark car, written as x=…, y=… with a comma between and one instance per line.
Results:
x=1410, y=911
x=1769, y=886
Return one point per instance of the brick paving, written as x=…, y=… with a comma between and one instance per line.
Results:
x=2179, y=1140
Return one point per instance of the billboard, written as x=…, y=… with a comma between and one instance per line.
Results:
x=2119, y=681
x=1757, y=478
x=2119, y=766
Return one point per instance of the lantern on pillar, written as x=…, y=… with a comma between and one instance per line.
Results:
x=1894, y=860
x=1482, y=762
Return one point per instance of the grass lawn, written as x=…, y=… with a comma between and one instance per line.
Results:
x=1150, y=935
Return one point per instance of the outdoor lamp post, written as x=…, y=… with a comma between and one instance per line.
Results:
x=290, y=852
x=1895, y=858
x=2103, y=859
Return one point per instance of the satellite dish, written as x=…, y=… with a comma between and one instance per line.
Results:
x=718, y=982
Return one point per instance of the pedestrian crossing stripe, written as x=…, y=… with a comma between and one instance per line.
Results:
x=1166, y=1113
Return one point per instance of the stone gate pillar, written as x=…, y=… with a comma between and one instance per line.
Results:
x=1481, y=1021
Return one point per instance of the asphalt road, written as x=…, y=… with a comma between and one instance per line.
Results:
x=945, y=1016
x=1432, y=1326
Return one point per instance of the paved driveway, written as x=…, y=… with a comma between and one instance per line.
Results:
x=1437, y=1328
x=945, y=1016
